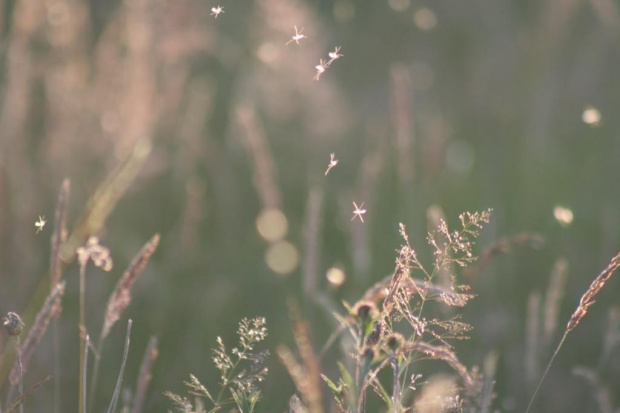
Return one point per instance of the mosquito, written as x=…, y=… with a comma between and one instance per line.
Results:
x=298, y=36
x=40, y=223
x=358, y=212
x=334, y=55
x=215, y=11
x=320, y=69
x=332, y=162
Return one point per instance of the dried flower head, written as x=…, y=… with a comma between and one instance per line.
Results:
x=394, y=342
x=13, y=324
x=99, y=254
x=365, y=309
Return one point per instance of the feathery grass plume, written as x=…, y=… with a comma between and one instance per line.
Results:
x=119, y=300
x=59, y=236
x=401, y=298
x=121, y=297
x=587, y=299
x=104, y=200
x=22, y=398
x=241, y=370
x=119, y=381
x=145, y=374
x=50, y=309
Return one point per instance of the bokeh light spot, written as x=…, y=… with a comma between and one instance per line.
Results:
x=282, y=258
x=399, y=5
x=425, y=19
x=335, y=276
x=272, y=224
x=591, y=116
x=563, y=215
x=268, y=53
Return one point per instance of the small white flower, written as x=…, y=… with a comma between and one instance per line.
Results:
x=40, y=223
x=215, y=11
x=297, y=36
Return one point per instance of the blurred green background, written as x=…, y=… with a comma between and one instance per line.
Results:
x=464, y=105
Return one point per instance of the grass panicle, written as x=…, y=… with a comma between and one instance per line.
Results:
x=51, y=308
x=241, y=370
x=145, y=374
x=587, y=299
x=119, y=301
x=59, y=236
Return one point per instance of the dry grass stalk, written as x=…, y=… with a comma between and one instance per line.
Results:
x=85, y=372
x=307, y=379
x=532, y=338
x=612, y=336
x=60, y=232
x=312, y=257
x=553, y=299
x=587, y=299
x=104, y=200
x=22, y=398
x=120, y=298
x=601, y=393
x=400, y=91
x=50, y=308
x=119, y=382
x=265, y=172
x=145, y=374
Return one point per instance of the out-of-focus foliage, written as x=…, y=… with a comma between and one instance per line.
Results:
x=434, y=108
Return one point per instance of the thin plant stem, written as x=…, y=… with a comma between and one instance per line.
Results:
x=119, y=382
x=396, y=388
x=21, y=372
x=82, y=328
x=56, y=367
x=95, y=374
x=84, y=371
x=555, y=353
